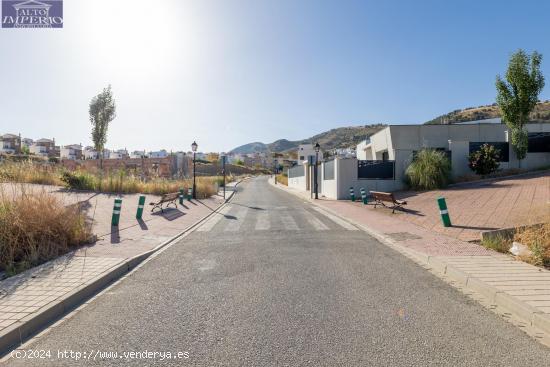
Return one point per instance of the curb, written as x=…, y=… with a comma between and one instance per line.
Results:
x=20, y=332
x=511, y=305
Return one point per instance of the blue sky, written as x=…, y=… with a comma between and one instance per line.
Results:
x=230, y=72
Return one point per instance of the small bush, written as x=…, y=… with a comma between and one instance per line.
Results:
x=485, y=160
x=498, y=244
x=429, y=170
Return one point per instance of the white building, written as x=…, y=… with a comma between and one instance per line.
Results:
x=159, y=154
x=383, y=158
x=118, y=154
x=72, y=152
x=43, y=148
x=138, y=154
x=90, y=153
x=307, y=152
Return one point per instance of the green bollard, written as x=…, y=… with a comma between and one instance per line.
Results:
x=141, y=205
x=352, y=194
x=189, y=194
x=182, y=195
x=364, y=196
x=116, y=212
x=444, y=212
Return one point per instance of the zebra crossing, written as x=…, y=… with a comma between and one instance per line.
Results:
x=233, y=218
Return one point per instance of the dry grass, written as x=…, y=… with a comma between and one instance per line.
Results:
x=113, y=182
x=36, y=227
x=29, y=172
x=537, y=238
x=282, y=179
x=498, y=244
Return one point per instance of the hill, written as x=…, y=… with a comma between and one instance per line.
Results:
x=342, y=137
x=541, y=114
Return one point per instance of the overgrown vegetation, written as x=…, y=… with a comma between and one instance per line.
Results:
x=537, y=238
x=485, y=160
x=282, y=179
x=37, y=227
x=429, y=170
x=112, y=182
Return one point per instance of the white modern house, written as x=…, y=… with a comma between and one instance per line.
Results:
x=383, y=158
x=118, y=154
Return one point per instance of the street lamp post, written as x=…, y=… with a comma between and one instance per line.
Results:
x=317, y=148
x=223, y=171
x=194, y=147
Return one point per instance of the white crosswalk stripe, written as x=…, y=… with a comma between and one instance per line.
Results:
x=262, y=222
x=210, y=223
x=337, y=220
x=313, y=220
x=234, y=224
x=289, y=222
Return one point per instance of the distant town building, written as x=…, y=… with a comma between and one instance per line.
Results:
x=72, y=152
x=10, y=144
x=138, y=154
x=44, y=148
x=90, y=153
x=158, y=154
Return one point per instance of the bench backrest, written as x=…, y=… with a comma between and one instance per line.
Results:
x=383, y=196
x=169, y=196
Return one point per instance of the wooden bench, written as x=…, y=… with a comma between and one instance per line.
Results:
x=380, y=198
x=169, y=198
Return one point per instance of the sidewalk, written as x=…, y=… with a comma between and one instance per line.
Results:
x=514, y=287
x=39, y=295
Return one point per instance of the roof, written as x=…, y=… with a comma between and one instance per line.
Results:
x=44, y=140
x=10, y=136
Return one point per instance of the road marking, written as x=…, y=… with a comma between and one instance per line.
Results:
x=262, y=223
x=209, y=224
x=337, y=220
x=289, y=222
x=314, y=221
x=234, y=224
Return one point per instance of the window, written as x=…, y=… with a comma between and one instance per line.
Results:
x=301, y=157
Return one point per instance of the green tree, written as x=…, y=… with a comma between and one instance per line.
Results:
x=517, y=96
x=102, y=112
x=485, y=160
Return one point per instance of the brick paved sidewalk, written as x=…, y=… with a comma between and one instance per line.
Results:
x=30, y=293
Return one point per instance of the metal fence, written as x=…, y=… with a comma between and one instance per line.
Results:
x=296, y=171
x=328, y=170
x=376, y=170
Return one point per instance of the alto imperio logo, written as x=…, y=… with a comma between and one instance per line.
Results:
x=32, y=14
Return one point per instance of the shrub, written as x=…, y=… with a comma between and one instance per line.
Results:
x=282, y=179
x=429, y=170
x=485, y=160
x=37, y=227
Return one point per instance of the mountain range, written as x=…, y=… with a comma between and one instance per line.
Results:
x=342, y=137
x=345, y=137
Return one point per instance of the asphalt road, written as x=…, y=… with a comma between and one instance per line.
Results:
x=275, y=282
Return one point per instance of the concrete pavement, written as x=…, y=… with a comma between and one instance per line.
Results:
x=271, y=281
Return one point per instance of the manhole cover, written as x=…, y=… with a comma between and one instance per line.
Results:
x=403, y=236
